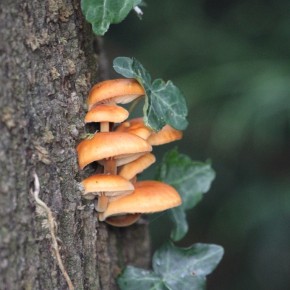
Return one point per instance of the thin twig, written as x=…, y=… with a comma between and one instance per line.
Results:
x=52, y=230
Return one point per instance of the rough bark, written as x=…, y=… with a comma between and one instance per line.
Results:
x=48, y=64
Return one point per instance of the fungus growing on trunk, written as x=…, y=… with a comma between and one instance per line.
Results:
x=107, y=113
x=107, y=186
x=130, y=170
x=112, y=185
x=127, y=146
x=123, y=220
x=124, y=147
x=120, y=91
x=148, y=197
x=135, y=126
x=166, y=135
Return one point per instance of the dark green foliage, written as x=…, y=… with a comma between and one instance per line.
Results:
x=174, y=269
x=191, y=179
x=231, y=59
x=101, y=13
x=164, y=102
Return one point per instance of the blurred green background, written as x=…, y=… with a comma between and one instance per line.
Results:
x=232, y=61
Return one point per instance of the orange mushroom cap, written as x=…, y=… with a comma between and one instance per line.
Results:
x=124, y=159
x=111, y=144
x=131, y=169
x=123, y=220
x=119, y=91
x=148, y=197
x=135, y=126
x=106, y=113
x=166, y=135
x=108, y=184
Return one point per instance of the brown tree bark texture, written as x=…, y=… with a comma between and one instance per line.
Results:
x=48, y=64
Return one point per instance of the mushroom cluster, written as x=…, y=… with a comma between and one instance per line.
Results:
x=122, y=147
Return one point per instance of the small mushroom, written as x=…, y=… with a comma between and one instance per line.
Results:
x=111, y=184
x=130, y=170
x=166, y=135
x=107, y=113
x=135, y=126
x=148, y=197
x=105, y=186
x=120, y=91
x=123, y=220
x=124, y=147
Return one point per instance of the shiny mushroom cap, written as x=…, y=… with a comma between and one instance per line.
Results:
x=148, y=197
x=123, y=220
x=107, y=113
x=166, y=135
x=130, y=170
x=120, y=91
x=109, y=185
x=135, y=126
x=111, y=144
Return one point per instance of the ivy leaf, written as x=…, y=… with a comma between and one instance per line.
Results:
x=102, y=13
x=174, y=269
x=178, y=218
x=134, y=278
x=131, y=68
x=164, y=102
x=191, y=282
x=186, y=268
x=197, y=260
x=191, y=179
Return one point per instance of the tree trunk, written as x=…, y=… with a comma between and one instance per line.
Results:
x=49, y=61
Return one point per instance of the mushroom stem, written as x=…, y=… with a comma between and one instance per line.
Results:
x=102, y=203
x=105, y=127
x=110, y=166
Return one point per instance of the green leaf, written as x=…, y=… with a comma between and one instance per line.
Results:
x=191, y=282
x=164, y=102
x=186, y=268
x=174, y=269
x=134, y=278
x=197, y=260
x=178, y=217
x=131, y=68
x=191, y=179
x=102, y=13
x=165, y=105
